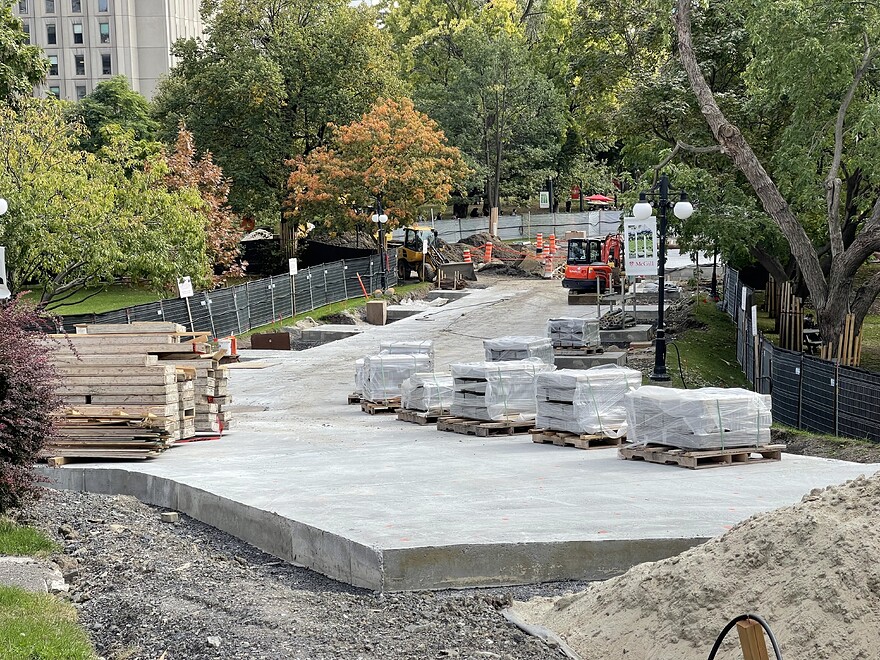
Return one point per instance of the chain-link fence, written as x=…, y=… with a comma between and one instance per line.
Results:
x=808, y=393
x=237, y=309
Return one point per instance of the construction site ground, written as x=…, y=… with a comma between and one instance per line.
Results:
x=391, y=506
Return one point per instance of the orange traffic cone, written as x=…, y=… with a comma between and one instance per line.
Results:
x=539, y=243
x=467, y=256
x=548, y=267
x=488, y=256
x=552, y=244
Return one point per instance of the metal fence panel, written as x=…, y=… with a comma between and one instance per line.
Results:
x=786, y=387
x=818, y=395
x=765, y=381
x=859, y=404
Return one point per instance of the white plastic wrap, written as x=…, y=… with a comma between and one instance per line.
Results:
x=427, y=391
x=506, y=349
x=359, y=376
x=413, y=347
x=495, y=391
x=587, y=401
x=568, y=332
x=707, y=418
x=384, y=374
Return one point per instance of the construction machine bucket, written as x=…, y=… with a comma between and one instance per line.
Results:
x=464, y=270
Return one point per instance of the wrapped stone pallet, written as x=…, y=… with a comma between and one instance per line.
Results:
x=573, y=332
x=496, y=391
x=416, y=347
x=383, y=374
x=428, y=392
x=707, y=418
x=506, y=349
x=586, y=402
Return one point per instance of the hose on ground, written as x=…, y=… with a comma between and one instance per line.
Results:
x=680, y=369
x=744, y=617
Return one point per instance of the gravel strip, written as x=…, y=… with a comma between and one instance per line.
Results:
x=186, y=591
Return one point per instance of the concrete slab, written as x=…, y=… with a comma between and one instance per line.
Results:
x=449, y=294
x=392, y=506
x=324, y=334
x=398, y=312
x=589, y=361
x=640, y=332
x=29, y=574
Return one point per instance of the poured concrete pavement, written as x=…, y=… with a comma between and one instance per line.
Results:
x=390, y=506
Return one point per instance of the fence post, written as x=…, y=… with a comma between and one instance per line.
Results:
x=837, y=399
x=161, y=309
x=207, y=303
x=235, y=304
x=247, y=292
x=344, y=280
x=800, y=370
x=372, y=288
x=272, y=296
x=311, y=295
x=326, y=298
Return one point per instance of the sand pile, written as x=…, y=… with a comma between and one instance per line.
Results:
x=812, y=570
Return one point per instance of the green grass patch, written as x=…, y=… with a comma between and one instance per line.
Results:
x=40, y=627
x=19, y=540
x=103, y=299
x=708, y=355
x=332, y=309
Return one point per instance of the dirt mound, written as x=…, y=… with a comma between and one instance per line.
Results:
x=509, y=270
x=809, y=569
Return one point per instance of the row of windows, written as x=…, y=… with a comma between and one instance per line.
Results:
x=79, y=65
x=75, y=6
x=52, y=32
x=55, y=90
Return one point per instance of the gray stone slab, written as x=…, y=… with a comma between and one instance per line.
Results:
x=398, y=312
x=639, y=332
x=449, y=294
x=28, y=574
x=324, y=334
x=589, y=361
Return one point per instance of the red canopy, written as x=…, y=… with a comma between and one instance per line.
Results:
x=599, y=198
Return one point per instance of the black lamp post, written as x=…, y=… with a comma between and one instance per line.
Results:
x=642, y=211
x=380, y=219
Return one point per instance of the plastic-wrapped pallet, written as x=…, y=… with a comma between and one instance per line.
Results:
x=384, y=374
x=415, y=347
x=568, y=332
x=707, y=418
x=495, y=391
x=587, y=401
x=359, y=376
x=426, y=391
x=505, y=349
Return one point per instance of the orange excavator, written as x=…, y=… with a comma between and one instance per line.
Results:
x=594, y=265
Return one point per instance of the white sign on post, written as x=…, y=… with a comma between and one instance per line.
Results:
x=185, y=287
x=4, y=284
x=641, y=246
x=544, y=199
x=754, y=320
x=292, y=266
x=742, y=305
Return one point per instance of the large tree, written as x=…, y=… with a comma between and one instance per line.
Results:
x=814, y=62
x=21, y=65
x=394, y=155
x=114, y=102
x=268, y=82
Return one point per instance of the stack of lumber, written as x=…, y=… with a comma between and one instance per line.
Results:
x=506, y=349
x=568, y=332
x=496, y=391
x=132, y=390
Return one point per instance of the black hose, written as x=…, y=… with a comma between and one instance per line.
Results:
x=744, y=617
x=680, y=370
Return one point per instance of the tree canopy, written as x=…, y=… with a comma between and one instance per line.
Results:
x=21, y=65
x=114, y=103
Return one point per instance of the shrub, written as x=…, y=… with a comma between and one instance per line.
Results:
x=28, y=397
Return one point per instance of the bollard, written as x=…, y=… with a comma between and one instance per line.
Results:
x=467, y=256
x=539, y=243
x=552, y=244
x=548, y=267
x=488, y=256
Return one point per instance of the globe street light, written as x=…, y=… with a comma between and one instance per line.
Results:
x=682, y=209
x=380, y=219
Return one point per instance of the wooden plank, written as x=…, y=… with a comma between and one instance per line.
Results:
x=579, y=441
x=115, y=390
x=697, y=460
x=124, y=328
x=114, y=340
x=380, y=407
x=80, y=369
x=68, y=358
x=420, y=417
x=118, y=412
x=130, y=381
x=751, y=640
x=128, y=349
x=137, y=399
x=482, y=428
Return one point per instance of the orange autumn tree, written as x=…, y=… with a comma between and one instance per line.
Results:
x=222, y=227
x=394, y=153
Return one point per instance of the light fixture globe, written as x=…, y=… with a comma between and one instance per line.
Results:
x=383, y=219
x=683, y=209
x=375, y=218
x=643, y=209
x=4, y=206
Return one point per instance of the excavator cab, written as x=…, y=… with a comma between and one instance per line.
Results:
x=590, y=264
x=411, y=254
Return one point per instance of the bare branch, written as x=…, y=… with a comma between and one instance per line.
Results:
x=865, y=297
x=679, y=145
x=832, y=181
x=734, y=145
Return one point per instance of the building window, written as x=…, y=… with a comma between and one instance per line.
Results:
x=22, y=6
x=27, y=30
x=77, y=33
x=76, y=6
x=53, y=65
x=79, y=64
x=50, y=6
x=105, y=32
x=106, y=65
x=55, y=91
x=80, y=92
x=103, y=5
x=51, y=34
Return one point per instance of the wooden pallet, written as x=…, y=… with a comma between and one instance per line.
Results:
x=578, y=350
x=698, y=460
x=380, y=407
x=420, y=416
x=354, y=398
x=568, y=439
x=481, y=428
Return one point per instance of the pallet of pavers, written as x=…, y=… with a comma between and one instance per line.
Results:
x=574, y=336
x=699, y=428
x=382, y=376
x=425, y=398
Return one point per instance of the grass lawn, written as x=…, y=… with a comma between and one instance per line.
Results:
x=333, y=308
x=18, y=540
x=40, y=627
x=106, y=299
x=708, y=355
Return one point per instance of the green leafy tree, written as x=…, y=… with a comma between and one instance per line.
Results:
x=268, y=82
x=21, y=65
x=114, y=103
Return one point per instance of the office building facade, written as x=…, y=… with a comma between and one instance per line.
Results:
x=88, y=41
